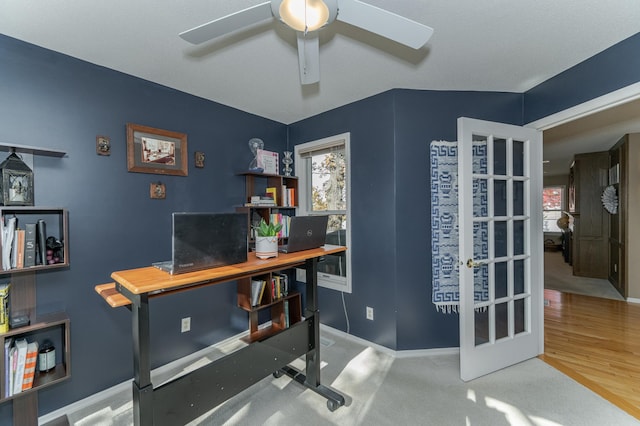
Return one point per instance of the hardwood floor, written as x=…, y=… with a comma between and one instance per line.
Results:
x=596, y=342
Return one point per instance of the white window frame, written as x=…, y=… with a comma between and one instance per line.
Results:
x=303, y=171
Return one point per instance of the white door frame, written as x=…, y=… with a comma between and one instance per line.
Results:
x=601, y=103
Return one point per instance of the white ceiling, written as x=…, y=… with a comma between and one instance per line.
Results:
x=489, y=45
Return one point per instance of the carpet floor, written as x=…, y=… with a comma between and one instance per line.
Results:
x=381, y=388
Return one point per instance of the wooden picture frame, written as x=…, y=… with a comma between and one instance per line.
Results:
x=157, y=151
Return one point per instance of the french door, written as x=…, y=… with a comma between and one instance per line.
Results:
x=500, y=228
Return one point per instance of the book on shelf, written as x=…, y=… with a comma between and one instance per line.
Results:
x=18, y=253
x=282, y=219
x=261, y=203
x=5, y=307
x=264, y=285
x=277, y=289
x=13, y=361
x=273, y=191
x=29, y=245
x=257, y=289
x=30, y=366
x=14, y=250
x=284, y=282
x=21, y=354
x=261, y=200
x=41, y=240
x=288, y=196
x=279, y=286
x=291, y=196
x=8, y=348
x=8, y=233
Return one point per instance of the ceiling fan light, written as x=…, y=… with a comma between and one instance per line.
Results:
x=302, y=15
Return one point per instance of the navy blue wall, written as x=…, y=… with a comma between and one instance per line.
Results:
x=370, y=122
x=390, y=135
x=52, y=100
x=610, y=70
x=420, y=117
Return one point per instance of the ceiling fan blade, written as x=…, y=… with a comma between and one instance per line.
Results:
x=227, y=24
x=309, y=57
x=384, y=23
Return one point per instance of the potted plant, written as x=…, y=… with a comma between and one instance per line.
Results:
x=267, y=239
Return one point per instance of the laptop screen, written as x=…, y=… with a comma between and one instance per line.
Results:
x=208, y=240
x=306, y=232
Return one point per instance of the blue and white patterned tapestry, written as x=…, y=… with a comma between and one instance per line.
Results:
x=444, y=224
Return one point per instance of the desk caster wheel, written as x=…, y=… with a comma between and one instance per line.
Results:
x=278, y=373
x=332, y=405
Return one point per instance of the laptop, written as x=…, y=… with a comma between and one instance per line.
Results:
x=206, y=240
x=305, y=232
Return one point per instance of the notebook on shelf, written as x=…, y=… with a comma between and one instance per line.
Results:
x=206, y=240
x=305, y=232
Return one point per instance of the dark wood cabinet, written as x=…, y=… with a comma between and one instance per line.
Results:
x=591, y=220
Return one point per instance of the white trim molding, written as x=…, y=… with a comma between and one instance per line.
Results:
x=601, y=103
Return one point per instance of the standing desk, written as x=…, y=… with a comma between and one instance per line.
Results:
x=190, y=396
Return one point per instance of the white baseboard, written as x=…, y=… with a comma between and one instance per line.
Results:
x=633, y=300
x=384, y=349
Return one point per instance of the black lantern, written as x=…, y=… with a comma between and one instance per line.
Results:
x=16, y=185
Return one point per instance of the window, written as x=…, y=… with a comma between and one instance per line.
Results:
x=552, y=201
x=323, y=169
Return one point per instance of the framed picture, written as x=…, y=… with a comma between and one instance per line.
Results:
x=156, y=151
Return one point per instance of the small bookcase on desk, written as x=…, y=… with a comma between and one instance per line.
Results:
x=285, y=308
x=283, y=206
x=270, y=292
x=52, y=327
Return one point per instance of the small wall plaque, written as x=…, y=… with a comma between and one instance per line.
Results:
x=103, y=145
x=199, y=157
x=157, y=191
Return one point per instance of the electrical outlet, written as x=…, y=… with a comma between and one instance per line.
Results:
x=369, y=313
x=185, y=324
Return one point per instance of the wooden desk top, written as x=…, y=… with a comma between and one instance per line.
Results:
x=153, y=281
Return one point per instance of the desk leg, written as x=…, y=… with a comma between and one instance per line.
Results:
x=312, y=378
x=313, y=357
x=142, y=387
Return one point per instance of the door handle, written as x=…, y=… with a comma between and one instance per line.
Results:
x=472, y=264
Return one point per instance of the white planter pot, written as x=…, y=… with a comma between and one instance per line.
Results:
x=266, y=247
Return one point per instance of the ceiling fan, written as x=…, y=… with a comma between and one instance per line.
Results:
x=306, y=17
